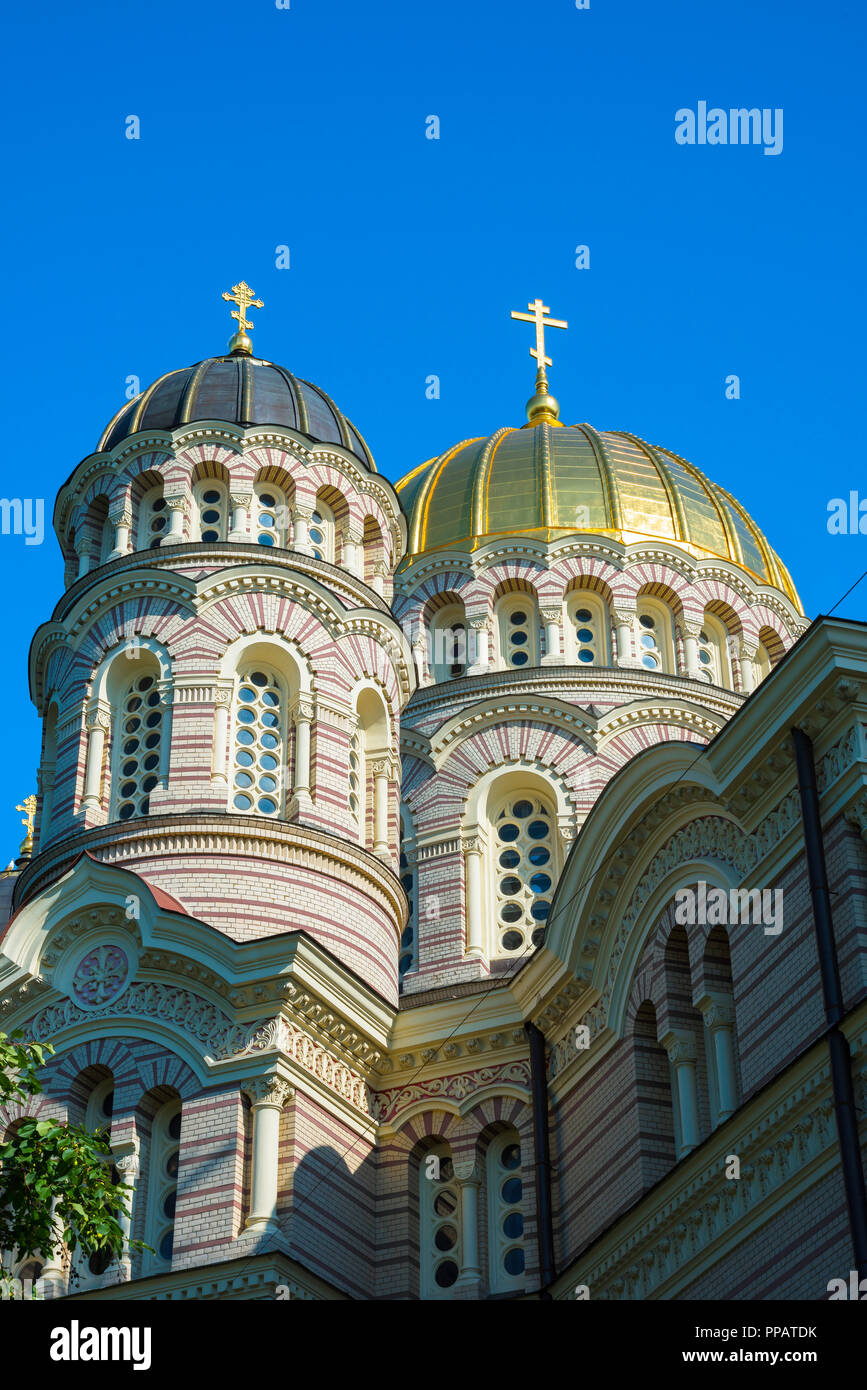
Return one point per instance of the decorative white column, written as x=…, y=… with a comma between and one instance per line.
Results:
x=241, y=503
x=177, y=508
x=681, y=1051
x=301, y=541
x=380, y=574
x=83, y=551
x=719, y=1017
x=624, y=620
x=222, y=705
x=127, y=1165
x=469, y=1182
x=749, y=679
x=553, y=655
x=303, y=717
x=353, y=552
x=97, y=720
x=121, y=520
x=691, y=633
x=268, y=1095
x=419, y=654
x=480, y=627
x=52, y=1281
x=381, y=772
x=473, y=885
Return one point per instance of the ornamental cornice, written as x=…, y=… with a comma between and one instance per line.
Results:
x=296, y=1045
x=389, y=1105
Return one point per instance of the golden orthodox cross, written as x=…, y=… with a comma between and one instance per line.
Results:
x=537, y=316
x=242, y=295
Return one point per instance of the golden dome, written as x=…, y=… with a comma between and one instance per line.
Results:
x=552, y=481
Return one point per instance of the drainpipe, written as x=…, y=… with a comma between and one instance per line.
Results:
x=541, y=1144
x=838, y=1044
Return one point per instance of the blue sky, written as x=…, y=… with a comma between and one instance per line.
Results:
x=305, y=127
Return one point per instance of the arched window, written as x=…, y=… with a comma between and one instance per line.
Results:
x=270, y=515
x=212, y=509
x=587, y=629
x=100, y=1105
x=89, y=1269
x=322, y=532
x=408, y=942
x=449, y=642
x=654, y=635
x=153, y=519
x=138, y=751
x=713, y=656
x=439, y=1218
x=505, y=1214
x=357, y=777
x=259, y=743
x=369, y=741
x=523, y=871
x=763, y=662
x=163, y=1184
x=519, y=632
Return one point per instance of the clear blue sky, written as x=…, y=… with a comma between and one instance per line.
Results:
x=306, y=127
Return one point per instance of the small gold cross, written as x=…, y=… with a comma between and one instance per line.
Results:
x=537, y=316
x=242, y=295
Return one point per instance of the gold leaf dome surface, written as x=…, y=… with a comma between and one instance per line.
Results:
x=551, y=481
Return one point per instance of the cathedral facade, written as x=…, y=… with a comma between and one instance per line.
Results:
x=418, y=893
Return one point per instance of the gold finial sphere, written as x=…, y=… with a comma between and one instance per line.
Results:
x=543, y=408
x=240, y=345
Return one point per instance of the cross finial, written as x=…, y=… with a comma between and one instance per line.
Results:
x=242, y=295
x=28, y=806
x=541, y=407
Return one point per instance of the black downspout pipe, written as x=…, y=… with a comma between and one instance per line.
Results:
x=542, y=1146
x=838, y=1043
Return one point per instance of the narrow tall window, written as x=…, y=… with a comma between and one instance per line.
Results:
x=523, y=853
x=713, y=654
x=356, y=778
x=213, y=510
x=449, y=642
x=163, y=1183
x=653, y=635
x=439, y=1214
x=153, y=521
x=258, y=753
x=408, y=944
x=270, y=515
x=587, y=630
x=322, y=533
x=518, y=634
x=139, y=743
x=505, y=1214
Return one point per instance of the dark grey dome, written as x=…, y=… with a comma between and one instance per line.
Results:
x=243, y=390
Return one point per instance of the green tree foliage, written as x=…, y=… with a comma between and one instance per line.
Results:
x=55, y=1179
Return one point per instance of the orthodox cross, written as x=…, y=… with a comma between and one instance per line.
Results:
x=537, y=316
x=242, y=295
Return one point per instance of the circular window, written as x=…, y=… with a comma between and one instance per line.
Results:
x=512, y=1190
x=167, y=1245
x=518, y=618
x=583, y=615
x=265, y=539
x=446, y=1274
x=585, y=655
x=513, y=1262
x=211, y=496
x=650, y=662
x=210, y=536
x=647, y=621
x=540, y=883
x=584, y=634
x=445, y=1203
x=539, y=855
x=508, y=832
x=510, y=859
x=510, y=885
x=242, y=803
x=172, y=1164
x=175, y=1126
x=445, y=1238
x=210, y=516
x=511, y=912
x=511, y=1157
x=519, y=659
x=512, y=941
x=538, y=829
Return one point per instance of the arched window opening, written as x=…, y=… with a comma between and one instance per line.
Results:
x=439, y=1214
x=505, y=1214
x=270, y=515
x=522, y=871
x=138, y=741
x=357, y=777
x=713, y=656
x=408, y=956
x=322, y=532
x=259, y=743
x=763, y=662
x=654, y=635
x=449, y=642
x=153, y=519
x=212, y=510
x=369, y=743
x=519, y=632
x=717, y=1009
x=587, y=629
x=164, y=1156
